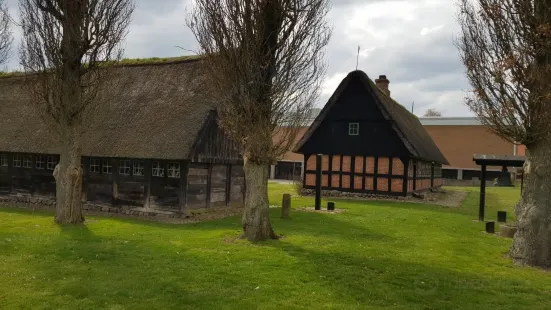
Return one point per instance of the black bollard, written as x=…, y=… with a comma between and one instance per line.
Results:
x=501, y=216
x=330, y=206
x=490, y=227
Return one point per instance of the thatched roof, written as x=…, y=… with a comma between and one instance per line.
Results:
x=146, y=110
x=407, y=126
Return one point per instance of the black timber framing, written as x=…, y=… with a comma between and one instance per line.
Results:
x=405, y=180
x=330, y=170
x=228, y=184
x=149, y=178
x=414, y=175
x=340, y=171
x=363, y=172
x=376, y=174
x=390, y=173
x=352, y=170
x=184, y=168
x=209, y=186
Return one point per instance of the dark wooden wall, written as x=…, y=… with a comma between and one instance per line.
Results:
x=170, y=185
x=213, y=146
x=376, y=136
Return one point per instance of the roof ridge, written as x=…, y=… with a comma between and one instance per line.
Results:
x=126, y=62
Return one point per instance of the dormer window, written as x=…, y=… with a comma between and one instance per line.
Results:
x=353, y=129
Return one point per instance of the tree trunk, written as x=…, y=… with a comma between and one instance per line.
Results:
x=256, y=219
x=532, y=241
x=68, y=177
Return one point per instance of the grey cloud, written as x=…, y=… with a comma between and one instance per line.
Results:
x=425, y=69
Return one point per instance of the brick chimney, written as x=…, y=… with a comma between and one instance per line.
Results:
x=382, y=82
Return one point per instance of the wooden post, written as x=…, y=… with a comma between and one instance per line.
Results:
x=482, y=193
x=501, y=216
x=490, y=227
x=148, y=177
x=414, y=176
x=115, y=167
x=375, y=173
x=183, y=185
x=228, y=185
x=209, y=185
x=432, y=175
x=318, y=182
x=330, y=206
x=406, y=177
x=286, y=206
x=390, y=173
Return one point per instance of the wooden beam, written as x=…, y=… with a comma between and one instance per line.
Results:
x=414, y=175
x=352, y=171
x=318, y=181
x=363, y=173
x=148, y=177
x=432, y=175
x=228, y=184
x=482, y=193
x=390, y=173
x=184, y=170
x=209, y=185
x=375, y=173
x=330, y=172
x=405, y=177
x=115, y=164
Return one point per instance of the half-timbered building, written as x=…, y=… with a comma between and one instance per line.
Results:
x=152, y=142
x=370, y=143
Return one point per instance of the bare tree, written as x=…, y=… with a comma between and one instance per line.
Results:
x=5, y=33
x=65, y=43
x=432, y=113
x=506, y=49
x=265, y=62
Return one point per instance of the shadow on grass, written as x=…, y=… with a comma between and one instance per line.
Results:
x=382, y=281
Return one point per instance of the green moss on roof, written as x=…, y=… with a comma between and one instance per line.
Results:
x=126, y=62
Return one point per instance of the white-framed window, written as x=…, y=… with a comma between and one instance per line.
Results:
x=3, y=160
x=51, y=163
x=17, y=160
x=138, y=169
x=95, y=165
x=27, y=161
x=173, y=170
x=157, y=170
x=40, y=162
x=107, y=168
x=125, y=166
x=353, y=129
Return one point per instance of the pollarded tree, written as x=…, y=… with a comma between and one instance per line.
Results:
x=264, y=61
x=65, y=43
x=506, y=49
x=5, y=33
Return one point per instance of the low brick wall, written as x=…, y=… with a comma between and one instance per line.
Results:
x=48, y=203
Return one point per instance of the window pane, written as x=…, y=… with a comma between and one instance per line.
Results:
x=139, y=168
x=40, y=162
x=107, y=168
x=157, y=169
x=3, y=160
x=173, y=170
x=124, y=167
x=52, y=162
x=94, y=165
x=353, y=129
x=27, y=161
x=17, y=161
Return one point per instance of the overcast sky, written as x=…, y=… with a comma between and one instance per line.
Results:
x=411, y=41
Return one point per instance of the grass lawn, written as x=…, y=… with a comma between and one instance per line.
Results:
x=374, y=255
